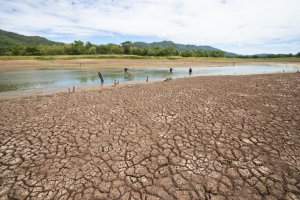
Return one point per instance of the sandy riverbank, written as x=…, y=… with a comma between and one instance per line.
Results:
x=222, y=137
x=11, y=65
x=17, y=94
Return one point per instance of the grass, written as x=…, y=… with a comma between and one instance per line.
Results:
x=74, y=57
x=97, y=56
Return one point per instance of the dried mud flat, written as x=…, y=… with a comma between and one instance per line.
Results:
x=196, y=138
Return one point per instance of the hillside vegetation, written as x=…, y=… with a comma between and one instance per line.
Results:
x=181, y=47
x=13, y=44
x=8, y=39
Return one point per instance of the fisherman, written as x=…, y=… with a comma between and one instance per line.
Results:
x=190, y=71
x=171, y=70
x=101, y=77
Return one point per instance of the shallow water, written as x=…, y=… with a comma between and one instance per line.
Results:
x=34, y=79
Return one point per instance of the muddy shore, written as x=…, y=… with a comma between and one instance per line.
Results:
x=222, y=137
x=12, y=65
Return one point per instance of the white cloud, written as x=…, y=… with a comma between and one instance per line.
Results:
x=230, y=23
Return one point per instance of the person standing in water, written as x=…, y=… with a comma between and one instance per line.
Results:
x=171, y=70
x=190, y=71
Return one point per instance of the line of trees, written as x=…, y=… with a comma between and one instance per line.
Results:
x=127, y=48
x=271, y=56
x=79, y=48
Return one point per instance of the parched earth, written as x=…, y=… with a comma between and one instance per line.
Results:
x=227, y=137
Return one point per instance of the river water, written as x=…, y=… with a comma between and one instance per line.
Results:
x=59, y=78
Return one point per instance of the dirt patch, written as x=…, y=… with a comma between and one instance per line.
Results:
x=11, y=65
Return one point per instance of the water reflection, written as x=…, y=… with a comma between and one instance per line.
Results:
x=45, y=78
x=128, y=76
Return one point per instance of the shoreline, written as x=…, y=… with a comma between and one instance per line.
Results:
x=8, y=95
x=20, y=65
x=40, y=92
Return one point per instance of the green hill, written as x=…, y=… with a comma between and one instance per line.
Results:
x=180, y=47
x=9, y=39
x=17, y=44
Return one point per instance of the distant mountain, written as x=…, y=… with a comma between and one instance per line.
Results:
x=180, y=47
x=8, y=39
x=268, y=55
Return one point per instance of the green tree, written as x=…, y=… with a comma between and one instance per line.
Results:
x=126, y=47
x=114, y=49
x=137, y=51
x=145, y=52
x=17, y=50
x=92, y=50
x=188, y=53
x=170, y=51
x=32, y=50
x=77, y=47
x=87, y=46
x=68, y=49
x=5, y=50
x=55, y=50
x=102, y=49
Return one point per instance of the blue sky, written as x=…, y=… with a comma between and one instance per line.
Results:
x=240, y=26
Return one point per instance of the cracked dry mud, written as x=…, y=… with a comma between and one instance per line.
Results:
x=196, y=138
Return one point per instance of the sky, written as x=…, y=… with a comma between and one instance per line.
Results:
x=239, y=26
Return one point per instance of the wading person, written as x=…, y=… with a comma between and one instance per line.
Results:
x=171, y=70
x=190, y=71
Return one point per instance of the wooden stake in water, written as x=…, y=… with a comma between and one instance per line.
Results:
x=147, y=79
x=101, y=78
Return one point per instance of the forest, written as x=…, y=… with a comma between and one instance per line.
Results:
x=79, y=48
x=13, y=44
